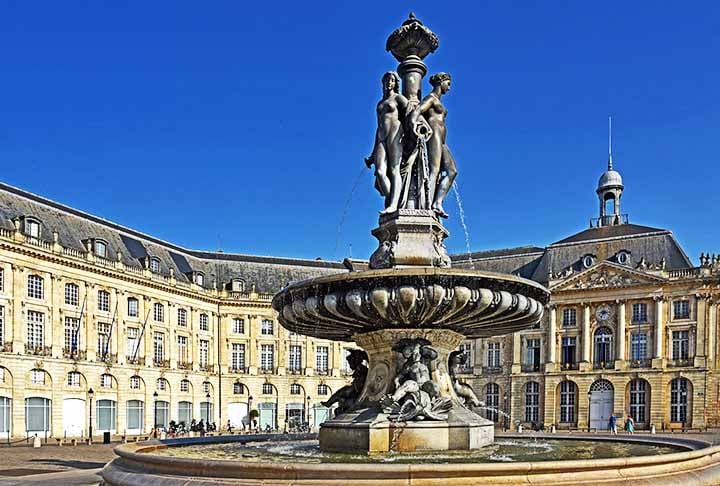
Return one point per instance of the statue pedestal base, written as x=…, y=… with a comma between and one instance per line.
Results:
x=369, y=430
x=410, y=237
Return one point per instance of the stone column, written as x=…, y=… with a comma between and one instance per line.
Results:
x=712, y=334
x=516, y=353
x=172, y=336
x=621, y=359
x=586, y=338
x=253, y=350
x=659, y=332
x=89, y=323
x=18, y=295
x=551, y=340
x=55, y=317
x=702, y=333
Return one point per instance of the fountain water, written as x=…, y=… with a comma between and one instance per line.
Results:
x=461, y=211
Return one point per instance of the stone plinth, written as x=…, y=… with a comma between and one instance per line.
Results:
x=410, y=237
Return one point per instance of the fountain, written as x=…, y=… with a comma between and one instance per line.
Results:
x=406, y=417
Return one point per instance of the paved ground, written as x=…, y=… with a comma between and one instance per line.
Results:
x=67, y=465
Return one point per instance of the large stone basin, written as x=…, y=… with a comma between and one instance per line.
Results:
x=469, y=302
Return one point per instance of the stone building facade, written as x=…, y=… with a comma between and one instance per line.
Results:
x=101, y=320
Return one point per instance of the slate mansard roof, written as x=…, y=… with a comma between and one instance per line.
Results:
x=268, y=274
x=654, y=246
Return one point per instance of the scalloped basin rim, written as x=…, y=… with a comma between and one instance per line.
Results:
x=412, y=272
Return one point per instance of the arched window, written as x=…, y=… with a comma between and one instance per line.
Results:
x=492, y=401
x=679, y=400
x=162, y=384
x=155, y=265
x=603, y=348
x=639, y=391
x=73, y=379
x=238, y=388
x=532, y=402
x=106, y=381
x=295, y=389
x=135, y=382
x=568, y=401
x=207, y=387
x=101, y=248
x=323, y=389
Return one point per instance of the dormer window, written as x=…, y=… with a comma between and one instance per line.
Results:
x=155, y=265
x=238, y=285
x=623, y=257
x=588, y=261
x=100, y=247
x=31, y=227
x=200, y=279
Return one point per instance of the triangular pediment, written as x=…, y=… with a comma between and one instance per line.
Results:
x=607, y=275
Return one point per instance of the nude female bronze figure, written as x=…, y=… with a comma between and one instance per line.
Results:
x=387, y=152
x=442, y=169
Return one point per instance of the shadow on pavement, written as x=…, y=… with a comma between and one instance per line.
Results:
x=71, y=464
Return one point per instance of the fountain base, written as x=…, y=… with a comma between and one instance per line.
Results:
x=370, y=430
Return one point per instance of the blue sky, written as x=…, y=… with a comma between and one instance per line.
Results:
x=243, y=125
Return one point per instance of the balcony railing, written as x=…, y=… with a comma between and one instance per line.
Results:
x=609, y=220
x=38, y=350
x=140, y=360
x=238, y=370
x=492, y=370
x=530, y=367
x=640, y=363
x=604, y=365
x=680, y=363
x=295, y=371
x=268, y=371
x=569, y=366
x=109, y=358
x=162, y=363
x=322, y=372
x=184, y=365
x=208, y=368
x=76, y=354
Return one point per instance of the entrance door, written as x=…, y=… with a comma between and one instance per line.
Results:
x=295, y=415
x=267, y=415
x=237, y=414
x=74, y=417
x=320, y=415
x=601, y=404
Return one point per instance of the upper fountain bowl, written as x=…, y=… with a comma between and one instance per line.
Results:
x=473, y=303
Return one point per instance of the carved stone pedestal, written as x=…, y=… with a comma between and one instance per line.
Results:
x=410, y=237
x=368, y=428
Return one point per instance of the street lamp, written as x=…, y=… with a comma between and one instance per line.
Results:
x=90, y=394
x=249, y=418
x=588, y=416
x=155, y=395
x=505, y=418
x=307, y=415
x=207, y=409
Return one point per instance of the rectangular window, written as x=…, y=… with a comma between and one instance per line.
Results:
x=639, y=313
x=32, y=228
x=238, y=326
x=72, y=294
x=568, y=350
x=5, y=414
x=158, y=347
x=37, y=415
x=569, y=317
x=132, y=309
x=37, y=377
x=184, y=386
x=182, y=318
x=204, y=322
x=267, y=357
x=35, y=287
x=135, y=415
x=493, y=355
x=133, y=336
x=182, y=349
x=35, y=330
x=106, y=415
x=567, y=401
x=103, y=338
x=185, y=412
x=134, y=382
x=204, y=347
x=73, y=378
x=72, y=336
x=238, y=357
x=681, y=309
x=103, y=303
x=638, y=346
x=680, y=344
x=321, y=359
x=159, y=313
x=532, y=402
x=105, y=381
x=532, y=356
x=295, y=358
x=266, y=328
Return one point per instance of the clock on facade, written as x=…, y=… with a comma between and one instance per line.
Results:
x=603, y=313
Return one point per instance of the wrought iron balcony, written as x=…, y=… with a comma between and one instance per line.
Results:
x=322, y=372
x=640, y=363
x=530, y=367
x=295, y=371
x=680, y=363
x=76, y=354
x=207, y=368
x=162, y=363
x=109, y=358
x=493, y=370
x=268, y=371
x=238, y=370
x=569, y=366
x=604, y=365
x=140, y=360
x=38, y=350
x=184, y=365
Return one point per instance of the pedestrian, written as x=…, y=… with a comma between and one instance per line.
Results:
x=613, y=424
x=630, y=425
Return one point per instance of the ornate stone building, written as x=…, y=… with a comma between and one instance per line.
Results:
x=100, y=319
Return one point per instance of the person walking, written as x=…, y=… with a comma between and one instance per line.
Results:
x=630, y=425
x=613, y=424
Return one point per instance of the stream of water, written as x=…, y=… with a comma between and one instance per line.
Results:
x=464, y=226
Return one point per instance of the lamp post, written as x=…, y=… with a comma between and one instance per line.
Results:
x=155, y=423
x=249, y=418
x=588, y=414
x=307, y=415
x=207, y=409
x=91, y=392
